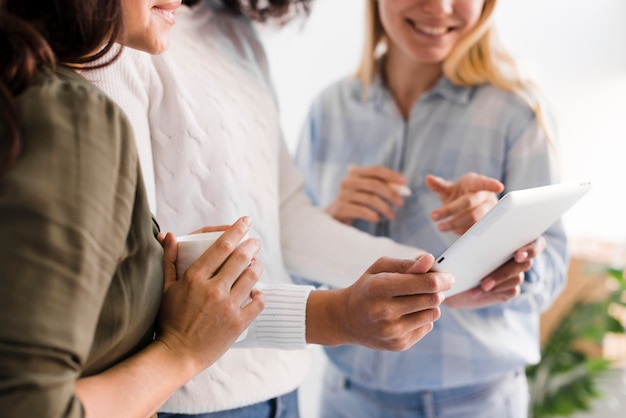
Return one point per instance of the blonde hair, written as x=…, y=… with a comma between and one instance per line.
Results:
x=478, y=58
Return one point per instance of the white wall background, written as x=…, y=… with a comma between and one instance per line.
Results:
x=574, y=49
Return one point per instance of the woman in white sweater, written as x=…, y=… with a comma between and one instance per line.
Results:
x=207, y=130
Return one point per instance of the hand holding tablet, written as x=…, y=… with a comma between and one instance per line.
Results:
x=519, y=218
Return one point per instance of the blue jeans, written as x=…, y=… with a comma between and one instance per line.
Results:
x=285, y=406
x=505, y=398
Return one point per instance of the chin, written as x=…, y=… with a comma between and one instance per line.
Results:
x=153, y=46
x=160, y=48
x=431, y=57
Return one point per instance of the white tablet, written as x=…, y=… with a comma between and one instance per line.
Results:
x=519, y=218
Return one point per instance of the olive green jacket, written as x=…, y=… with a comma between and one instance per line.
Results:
x=80, y=270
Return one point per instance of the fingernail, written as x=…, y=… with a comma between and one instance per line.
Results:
x=246, y=220
x=435, y=216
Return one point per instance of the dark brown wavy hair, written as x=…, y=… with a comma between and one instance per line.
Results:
x=262, y=11
x=36, y=33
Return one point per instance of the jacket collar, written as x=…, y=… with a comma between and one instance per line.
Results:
x=380, y=96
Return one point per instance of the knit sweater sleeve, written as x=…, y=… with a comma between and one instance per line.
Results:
x=132, y=83
x=319, y=248
x=282, y=323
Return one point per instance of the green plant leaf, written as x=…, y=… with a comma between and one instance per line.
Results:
x=565, y=381
x=618, y=274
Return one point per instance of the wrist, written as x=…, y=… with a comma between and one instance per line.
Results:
x=171, y=350
x=326, y=316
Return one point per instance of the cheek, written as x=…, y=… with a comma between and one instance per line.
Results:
x=470, y=12
x=137, y=23
x=391, y=19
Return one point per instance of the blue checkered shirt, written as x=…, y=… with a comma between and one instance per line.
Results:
x=450, y=131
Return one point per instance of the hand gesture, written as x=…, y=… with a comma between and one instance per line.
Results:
x=503, y=284
x=367, y=193
x=464, y=202
x=392, y=306
x=201, y=314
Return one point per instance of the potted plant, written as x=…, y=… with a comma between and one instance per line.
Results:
x=575, y=357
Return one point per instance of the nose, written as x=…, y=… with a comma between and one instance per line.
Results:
x=437, y=7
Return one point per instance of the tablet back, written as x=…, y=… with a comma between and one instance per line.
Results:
x=519, y=218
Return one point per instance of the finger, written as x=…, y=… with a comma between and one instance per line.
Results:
x=506, y=271
x=491, y=285
x=212, y=259
x=373, y=202
x=347, y=211
x=417, y=334
x=170, y=253
x=407, y=305
x=369, y=186
x=473, y=182
x=382, y=173
x=462, y=221
x=531, y=250
x=211, y=229
x=401, y=189
x=508, y=284
x=244, y=284
x=421, y=264
x=524, y=253
x=500, y=295
x=397, y=285
x=238, y=261
x=411, y=328
x=253, y=308
x=483, y=299
x=475, y=205
x=437, y=184
x=421, y=318
x=392, y=280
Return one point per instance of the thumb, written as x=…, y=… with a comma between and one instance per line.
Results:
x=170, y=253
x=422, y=264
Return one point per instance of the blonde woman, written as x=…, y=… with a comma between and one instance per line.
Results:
x=435, y=98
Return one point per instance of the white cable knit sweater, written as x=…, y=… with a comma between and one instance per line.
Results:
x=207, y=130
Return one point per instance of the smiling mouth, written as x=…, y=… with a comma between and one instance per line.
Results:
x=167, y=11
x=429, y=30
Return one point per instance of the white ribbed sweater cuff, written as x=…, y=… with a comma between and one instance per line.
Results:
x=282, y=324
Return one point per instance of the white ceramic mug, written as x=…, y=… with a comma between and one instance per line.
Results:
x=191, y=247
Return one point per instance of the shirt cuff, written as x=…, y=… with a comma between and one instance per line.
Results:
x=282, y=324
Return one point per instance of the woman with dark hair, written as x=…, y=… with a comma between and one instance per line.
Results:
x=82, y=272
x=207, y=129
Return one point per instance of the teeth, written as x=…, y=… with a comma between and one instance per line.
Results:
x=167, y=14
x=432, y=30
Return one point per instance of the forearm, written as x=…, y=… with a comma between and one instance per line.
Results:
x=310, y=235
x=136, y=387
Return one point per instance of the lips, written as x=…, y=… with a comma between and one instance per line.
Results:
x=167, y=10
x=430, y=30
